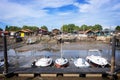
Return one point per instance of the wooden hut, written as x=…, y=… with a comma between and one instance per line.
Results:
x=56, y=31
x=24, y=32
x=89, y=32
x=43, y=31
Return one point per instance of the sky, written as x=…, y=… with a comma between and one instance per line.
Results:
x=55, y=13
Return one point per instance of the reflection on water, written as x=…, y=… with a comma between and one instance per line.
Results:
x=24, y=59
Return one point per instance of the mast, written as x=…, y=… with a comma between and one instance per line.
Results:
x=61, y=45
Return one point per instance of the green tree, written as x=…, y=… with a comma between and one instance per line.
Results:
x=33, y=28
x=25, y=27
x=70, y=28
x=13, y=28
x=84, y=27
x=6, y=28
x=117, y=28
x=44, y=27
x=1, y=29
x=64, y=28
x=97, y=27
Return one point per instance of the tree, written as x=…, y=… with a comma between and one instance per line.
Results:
x=64, y=28
x=117, y=28
x=33, y=28
x=97, y=27
x=1, y=29
x=6, y=28
x=70, y=28
x=13, y=28
x=84, y=27
x=44, y=27
x=25, y=27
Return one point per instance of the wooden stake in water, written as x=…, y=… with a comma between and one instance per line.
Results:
x=5, y=55
x=113, y=55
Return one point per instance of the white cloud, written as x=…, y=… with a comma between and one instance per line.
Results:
x=116, y=7
x=91, y=5
x=52, y=3
x=10, y=10
x=15, y=10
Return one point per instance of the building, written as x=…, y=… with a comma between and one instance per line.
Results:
x=56, y=31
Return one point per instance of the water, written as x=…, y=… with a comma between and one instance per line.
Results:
x=24, y=59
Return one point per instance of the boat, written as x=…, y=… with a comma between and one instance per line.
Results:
x=81, y=63
x=94, y=57
x=31, y=41
x=61, y=62
x=43, y=62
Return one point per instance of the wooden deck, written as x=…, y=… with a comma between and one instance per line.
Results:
x=53, y=70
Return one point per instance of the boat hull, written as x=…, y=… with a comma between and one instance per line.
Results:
x=97, y=65
x=95, y=58
x=61, y=66
x=61, y=63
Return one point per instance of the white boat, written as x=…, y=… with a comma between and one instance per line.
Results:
x=94, y=57
x=81, y=63
x=31, y=40
x=61, y=62
x=44, y=62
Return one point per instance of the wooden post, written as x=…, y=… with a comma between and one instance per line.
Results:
x=112, y=73
x=113, y=54
x=5, y=55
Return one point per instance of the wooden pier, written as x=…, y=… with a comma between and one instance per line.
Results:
x=54, y=72
x=81, y=72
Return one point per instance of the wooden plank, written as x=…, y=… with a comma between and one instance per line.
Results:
x=48, y=75
x=93, y=75
x=118, y=75
x=26, y=75
x=71, y=75
x=1, y=75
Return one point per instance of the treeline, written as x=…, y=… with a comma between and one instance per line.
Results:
x=72, y=27
x=65, y=28
x=16, y=28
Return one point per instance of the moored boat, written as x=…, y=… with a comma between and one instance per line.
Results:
x=61, y=62
x=44, y=62
x=94, y=57
x=81, y=63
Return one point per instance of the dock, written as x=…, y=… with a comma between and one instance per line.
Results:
x=54, y=72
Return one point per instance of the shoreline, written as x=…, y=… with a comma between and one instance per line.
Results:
x=83, y=45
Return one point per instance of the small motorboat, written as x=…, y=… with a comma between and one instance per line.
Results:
x=81, y=63
x=61, y=62
x=43, y=62
x=31, y=41
x=94, y=57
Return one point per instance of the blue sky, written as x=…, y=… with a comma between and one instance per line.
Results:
x=55, y=13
